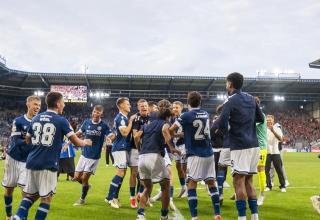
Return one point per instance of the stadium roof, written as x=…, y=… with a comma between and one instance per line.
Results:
x=22, y=83
x=315, y=64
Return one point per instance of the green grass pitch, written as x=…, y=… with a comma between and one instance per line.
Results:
x=302, y=170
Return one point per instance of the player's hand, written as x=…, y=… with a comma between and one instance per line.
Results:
x=175, y=151
x=87, y=142
x=133, y=117
x=65, y=147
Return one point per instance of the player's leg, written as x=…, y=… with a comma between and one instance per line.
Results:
x=85, y=188
x=192, y=198
x=240, y=190
x=147, y=183
x=133, y=164
x=132, y=184
x=252, y=197
x=79, y=169
x=25, y=205
x=214, y=194
x=284, y=170
x=262, y=175
x=120, y=159
x=171, y=189
x=165, y=198
x=277, y=162
x=43, y=208
x=8, y=192
x=267, y=170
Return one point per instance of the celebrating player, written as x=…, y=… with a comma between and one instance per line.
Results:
x=96, y=130
x=15, y=164
x=238, y=119
x=120, y=148
x=152, y=168
x=141, y=119
x=46, y=133
x=200, y=162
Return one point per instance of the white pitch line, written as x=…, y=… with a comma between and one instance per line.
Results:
x=178, y=216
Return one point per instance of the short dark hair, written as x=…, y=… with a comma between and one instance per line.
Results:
x=164, y=109
x=152, y=103
x=236, y=80
x=53, y=98
x=121, y=100
x=98, y=108
x=194, y=99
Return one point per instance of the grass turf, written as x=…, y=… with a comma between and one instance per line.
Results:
x=302, y=170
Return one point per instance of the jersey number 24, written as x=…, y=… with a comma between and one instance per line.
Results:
x=203, y=131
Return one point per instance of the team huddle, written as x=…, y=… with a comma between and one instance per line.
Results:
x=145, y=142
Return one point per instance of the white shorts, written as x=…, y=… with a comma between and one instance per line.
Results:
x=87, y=165
x=201, y=168
x=133, y=158
x=183, y=157
x=225, y=157
x=245, y=162
x=121, y=159
x=14, y=173
x=41, y=182
x=168, y=159
x=152, y=167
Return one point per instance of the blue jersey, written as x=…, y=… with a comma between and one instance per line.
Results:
x=152, y=138
x=18, y=149
x=195, y=125
x=96, y=132
x=69, y=153
x=121, y=142
x=47, y=131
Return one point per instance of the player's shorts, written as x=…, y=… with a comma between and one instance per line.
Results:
x=121, y=159
x=245, y=162
x=168, y=159
x=40, y=182
x=201, y=168
x=152, y=167
x=87, y=165
x=225, y=158
x=182, y=159
x=14, y=173
x=263, y=158
x=133, y=158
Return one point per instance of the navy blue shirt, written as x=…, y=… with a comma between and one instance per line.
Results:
x=152, y=138
x=238, y=120
x=96, y=132
x=121, y=142
x=47, y=131
x=195, y=125
x=137, y=124
x=18, y=149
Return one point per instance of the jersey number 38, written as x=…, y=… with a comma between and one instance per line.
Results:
x=43, y=134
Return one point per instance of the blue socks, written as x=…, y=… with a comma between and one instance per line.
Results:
x=220, y=179
x=141, y=188
x=241, y=207
x=24, y=207
x=140, y=211
x=171, y=191
x=42, y=211
x=182, y=181
x=132, y=192
x=253, y=206
x=114, y=186
x=215, y=200
x=8, y=205
x=164, y=212
x=85, y=190
x=193, y=202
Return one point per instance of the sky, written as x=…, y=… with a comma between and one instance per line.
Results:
x=163, y=37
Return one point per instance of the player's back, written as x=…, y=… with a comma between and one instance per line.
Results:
x=47, y=131
x=152, y=139
x=18, y=149
x=196, y=126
